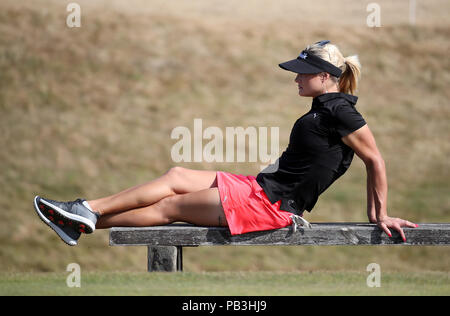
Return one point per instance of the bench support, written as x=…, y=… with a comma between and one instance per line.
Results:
x=165, y=258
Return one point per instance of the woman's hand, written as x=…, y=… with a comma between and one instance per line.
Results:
x=395, y=223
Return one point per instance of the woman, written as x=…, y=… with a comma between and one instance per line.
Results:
x=321, y=147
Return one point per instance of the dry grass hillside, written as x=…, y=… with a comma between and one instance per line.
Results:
x=86, y=112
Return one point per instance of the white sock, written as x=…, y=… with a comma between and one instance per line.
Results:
x=85, y=203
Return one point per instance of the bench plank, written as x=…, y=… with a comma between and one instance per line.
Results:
x=320, y=234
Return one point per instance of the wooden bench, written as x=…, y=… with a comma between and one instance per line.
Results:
x=165, y=243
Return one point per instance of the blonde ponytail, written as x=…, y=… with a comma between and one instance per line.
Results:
x=348, y=81
x=350, y=66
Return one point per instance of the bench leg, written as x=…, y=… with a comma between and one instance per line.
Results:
x=165, y=258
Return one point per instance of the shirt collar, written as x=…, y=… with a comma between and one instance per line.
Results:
x=326, y=97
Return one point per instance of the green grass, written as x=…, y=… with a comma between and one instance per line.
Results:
x=226, y=283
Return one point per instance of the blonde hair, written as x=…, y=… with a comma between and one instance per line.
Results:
x=350, y=66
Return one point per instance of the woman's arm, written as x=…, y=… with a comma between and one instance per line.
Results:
x=371, y=212
x=363, y=143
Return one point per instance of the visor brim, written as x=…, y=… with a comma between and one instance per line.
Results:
x=300, y=67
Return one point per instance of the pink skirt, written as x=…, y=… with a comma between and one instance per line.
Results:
x=246, y=206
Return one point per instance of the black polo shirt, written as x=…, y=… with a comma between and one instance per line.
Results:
x=315, y=156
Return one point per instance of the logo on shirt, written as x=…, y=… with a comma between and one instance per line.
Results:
x=315, y=114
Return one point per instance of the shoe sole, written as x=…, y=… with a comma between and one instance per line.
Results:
x=64, y=237
x=63, y=218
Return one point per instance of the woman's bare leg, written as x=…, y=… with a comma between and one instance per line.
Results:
x=177, y=180
x=201, y=208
